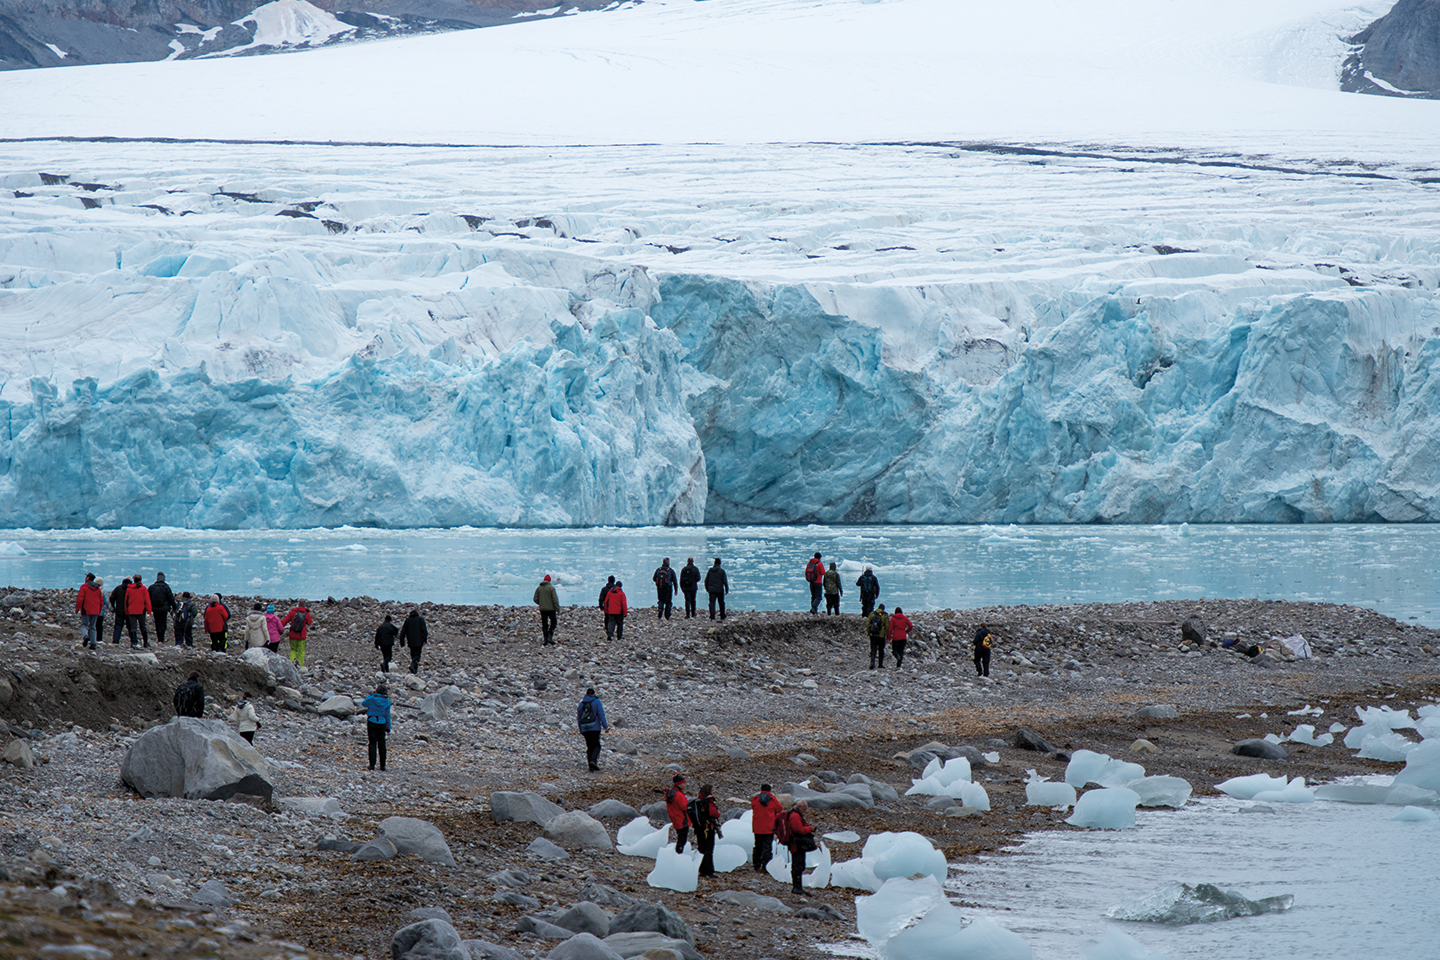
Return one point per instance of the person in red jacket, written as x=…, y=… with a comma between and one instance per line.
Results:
x=89, y=603
x=615, y=610
x=676, y=804
x=899, y=629
x=215, y=616
x=801, y=843
x=137, y=605
x=764, y=811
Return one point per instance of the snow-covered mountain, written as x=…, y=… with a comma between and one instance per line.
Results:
x=1399, y=54
x=1160, y=274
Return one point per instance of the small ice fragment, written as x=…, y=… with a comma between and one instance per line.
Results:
x=857, y=874
x=1294, y=792
x=1180, y=903
x=1039, y=792
x=1416, y=814
x=1242, y=716
x=992, y=757
x=942, y=934
x=9, y=548
x=1388, y=746
x=728, y=856
x=1110, y=808
x=1422, y=767
x=1273, y=737
x=1337, y=727
x=906, y=855
x=1245, y=788
x=1161, y=791
x=843, y=836
x=1305, y=733
x=638, y=839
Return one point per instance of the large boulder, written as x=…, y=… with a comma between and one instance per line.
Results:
x=428, y=940
x=614, y=808
x=419, y=837
x=576, y=828
x=583, y=946
x=338, y=706
x=196, y=759
x=635, y=943
x=281, y=670
x=485, y=950
x=522, y=806
x=585, y=917
x=655, y=917
x=18, y=753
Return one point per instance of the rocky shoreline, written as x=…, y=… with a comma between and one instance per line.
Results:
x=775, y=697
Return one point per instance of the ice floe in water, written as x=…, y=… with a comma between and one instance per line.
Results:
x=913, y=920
x=1160, y=791
x=1109, y=808
x=1181, y=903
x=1118, y=946
x=1417, y=814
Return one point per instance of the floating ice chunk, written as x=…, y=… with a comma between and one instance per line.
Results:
x=1181, y=903
x=638, y=839
x=1406, y=794
x=1161, y=791
x=857, y=874
x=1305, y=733
x=1388, y=746
x=1416, y=814
x=1293, y=792
x=843, y=836
x=1118, y=946
x=1384, y=717
x=820, y=876
x=895, y=905
x=1085, y=766
x=676, y=871
x=1109, y=808
x=906, y=855
x=1353, y=792
x=9, y=548
x=1422, y=767
x=942, y=934
x=1245, y=788
x=1039, y=792
x=1117, y=773
x=728, y=856
x=357, y=547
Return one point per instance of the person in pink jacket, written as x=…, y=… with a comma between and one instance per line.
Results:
x=272, y=624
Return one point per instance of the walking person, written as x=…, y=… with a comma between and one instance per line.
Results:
x=117, y=607
x=377, y=722
x=677, y=806
x=605, y=590
x=833, y=590
x=876, y=626
x=137, y=605
x=706, y=817
x=590, y=718
x=257, y=634
x=104, y=609
x=689, y=585
x=869, y=591
x=717, y=585
x=984, y=641
x=615, y=611
x=815, y=576
x=89, y=603
x=549, y=603
x=298, y=620
x=802, y=841
x=185, y=621
x=898, y=630
x=190, y=698
x=244, y=717
x=385, y=635
x=272, y=626
x=764, y=811
x=665, y=586
x=216, y=616
x=414, y=634
x=162, y=603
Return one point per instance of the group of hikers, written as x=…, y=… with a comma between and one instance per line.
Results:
x=768, y=821
x=615, y=605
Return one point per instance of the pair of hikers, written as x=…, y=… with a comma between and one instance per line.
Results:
x=894, y=628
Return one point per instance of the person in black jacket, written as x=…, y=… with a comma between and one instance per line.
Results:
x=162, y=603
x=413, y=634
x=869, y=591
x=717, y=585
x=689, y=585
x=385, y=642
x=117, y=607
x=665, y=584
x=190, y=698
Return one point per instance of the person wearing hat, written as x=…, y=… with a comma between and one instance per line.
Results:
x=590, y=718
x=117, y=607
x=869, y=590
x=385, y=636
x=89, y=603
x=676, y=804
x=706, y=816
x=377, y=722
x=549, y=604
x=665, y=586
x=272, y=627
x=615, y=610
x=137, y=606
x=764, y=811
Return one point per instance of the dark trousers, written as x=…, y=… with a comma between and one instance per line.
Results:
x=160, y=623
x=714, y=599
x=764, y=852
x=217, y=642
x=877, y=652
x=377, y=742
x=185, y=633
x=797, y=869
x=897, y=647
x=414, y=662
x=592, y=748
x=689, y=603
x=386, y=655
x=982, y=661
x=249, y=735
x=547, y=626
x=614, y=626
x=681, y=834
x=867, y=605
x=705, y=841
x=119, y=627
x=664, y=604
x=832, y=603
x=136, y=621
x=815, y=589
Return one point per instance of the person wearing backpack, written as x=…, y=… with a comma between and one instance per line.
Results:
x=162, y=601
x=833, y=590
x=385, y=635
x=414, y=634
x=898, y=630
x=117, y=608
x=272, y=624
x=216, y=616
x=869, y=591
x=815, y=576
x=665, y=586
x=764, y=812
x=185, y=621
x=548, y=602
x=590, y=718
x=876, y=626
x=797, y=834
x=706, y=817
x=615, y=611
x=298, y=620
x=984, y=641
x=677, y=806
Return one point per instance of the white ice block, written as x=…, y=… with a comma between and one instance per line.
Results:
x=1161, y=791
x=898, y=902
x=676, y=871
x=1109, y=808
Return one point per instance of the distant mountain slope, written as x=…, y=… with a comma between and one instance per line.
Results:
x=1399, y=54
x=57, y=33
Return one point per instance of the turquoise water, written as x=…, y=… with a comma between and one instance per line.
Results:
x=1389, y=568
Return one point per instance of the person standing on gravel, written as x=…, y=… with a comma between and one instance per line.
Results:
x=216, y=616
x=876, y=626
x=298, y=620
x=665, y=587
x=802, y=841
x=257, y=634
x=689, y=585
x=833, y=590
x=377, y=722
x=104, y=608
x=609, y=585
x=815, y=576
x=677, y=806
x=244, y=717
x=717, y=585
x=590, y=718
x=385, y=636
x=898, y=630
x=89, y=603
x=414, y=634
x=615, y=610
x=869, y=591
x=190, y=698
x=549, y=603
x=185, y=621
x=117, y=608
x=706, y=816
x=984, y=640
x=764, y=811
x=272, y=624
x=162, y=602
x=137, y=605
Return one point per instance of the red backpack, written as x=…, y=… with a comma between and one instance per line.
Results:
x=782, y=829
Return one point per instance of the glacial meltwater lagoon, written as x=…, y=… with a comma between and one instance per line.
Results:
x=1389, y=568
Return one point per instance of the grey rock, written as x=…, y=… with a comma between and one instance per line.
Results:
x=850, y=796
x=576, y=828
x=378, y=849
x=1399, y=50
x=542, y=928
x=340, y=846
x=432, y=913
x=338, y=706
x=213, y=892
x=282, y=671
x=1263, y=749
x=485, y=950
x=737, y=753
x=428, y=940
x=751, y=900
x=311, y=806
x=625, y=745
x=516, y=898
x=635, y=943
x=1027, y=739
x=652, y=916
x=513, y=878
x=940, y=803
x=655, y=811
x=196, y=759
x=586, y=917
x=583, y=946
x=523, y=807
x=829, y=776
x=17, y=753
x=1159, y=711
x=972, y=754
x=1192, y=631
x=822, y=911
x=418, y=837
x=597, y=892
x=614, y=808
x=432, y=709
x=545, y=850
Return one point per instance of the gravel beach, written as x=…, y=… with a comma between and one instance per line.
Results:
x=759, y=697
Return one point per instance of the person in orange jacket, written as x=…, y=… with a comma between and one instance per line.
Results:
x=89, y=603
x=899, y=628
x=137, y=605
x=802, y=842
x=216, y=616
x=677, y=805
x=764, y=811
x=615, y=610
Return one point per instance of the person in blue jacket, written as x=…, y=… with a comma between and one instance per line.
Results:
x=590, y=717
x=377, y=716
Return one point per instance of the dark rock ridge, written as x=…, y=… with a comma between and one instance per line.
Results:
x=67, y=33
x=1397, y=55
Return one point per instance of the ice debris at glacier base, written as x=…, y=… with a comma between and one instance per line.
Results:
x=1087, y=766
x=1039, y=792
x=1182, y=903
x=1115, y=945
x=1109, y=808
x=913, y=920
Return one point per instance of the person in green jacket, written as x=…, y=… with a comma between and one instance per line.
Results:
x=549, y=604
x=833, y=590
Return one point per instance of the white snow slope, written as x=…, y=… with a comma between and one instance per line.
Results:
x=1057, y=262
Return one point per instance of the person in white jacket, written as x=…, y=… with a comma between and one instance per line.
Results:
x=244, y=717
x=257, y=634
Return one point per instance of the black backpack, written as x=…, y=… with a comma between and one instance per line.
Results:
x=876, y=625
x=587, y=712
